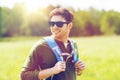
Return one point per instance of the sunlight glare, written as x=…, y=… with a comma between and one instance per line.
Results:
x=31, y=7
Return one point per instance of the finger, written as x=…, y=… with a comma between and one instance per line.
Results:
x=62, y=66
x=78, y=62
x=81, y=67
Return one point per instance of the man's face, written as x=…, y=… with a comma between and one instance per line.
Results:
x=57, y=29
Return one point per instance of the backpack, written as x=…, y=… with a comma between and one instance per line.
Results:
x=57, y=51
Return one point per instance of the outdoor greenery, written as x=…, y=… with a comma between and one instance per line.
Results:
x=17, y=21
x=99, y=50
x=100, y=54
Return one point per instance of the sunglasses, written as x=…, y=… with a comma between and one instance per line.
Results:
x=58, y=24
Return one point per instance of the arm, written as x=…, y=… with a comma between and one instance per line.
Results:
x=30, y=68
x=59, y=67
x=33, y=72
x=34, y=67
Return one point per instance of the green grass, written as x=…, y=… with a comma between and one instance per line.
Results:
x=100, y=54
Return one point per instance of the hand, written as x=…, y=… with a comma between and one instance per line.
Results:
x=80, y=66
x=59, y=67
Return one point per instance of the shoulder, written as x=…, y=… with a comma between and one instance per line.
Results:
x=40, y=44
x=72, y=41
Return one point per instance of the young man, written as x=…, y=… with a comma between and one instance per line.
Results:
x=43, y=64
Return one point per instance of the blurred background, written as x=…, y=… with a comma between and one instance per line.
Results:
x=30, y=18
x=96, y=29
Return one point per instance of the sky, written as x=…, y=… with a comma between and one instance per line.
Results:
x=81, y=4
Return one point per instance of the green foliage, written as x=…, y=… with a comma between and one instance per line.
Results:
x=0, y=21
x=87, y=23
x=11, y=21
x=100, y=55
x=4, y=13
x=110, y=23
x=17, y=21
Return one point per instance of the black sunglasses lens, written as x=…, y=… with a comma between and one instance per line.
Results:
x=51, y=24
x=59, y=24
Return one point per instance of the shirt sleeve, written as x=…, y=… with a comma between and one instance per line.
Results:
x=30, y=68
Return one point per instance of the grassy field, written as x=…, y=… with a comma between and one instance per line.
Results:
x=100, y=54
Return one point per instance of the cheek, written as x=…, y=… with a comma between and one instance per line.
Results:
x=52, y=28
x=66, y=29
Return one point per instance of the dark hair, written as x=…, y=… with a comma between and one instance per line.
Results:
x=62, y=12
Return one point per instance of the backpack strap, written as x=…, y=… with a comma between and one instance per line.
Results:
x=74, y=50
x=55, y=48
x=57, y=51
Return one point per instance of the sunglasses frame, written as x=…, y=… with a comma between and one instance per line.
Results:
x=57, y=23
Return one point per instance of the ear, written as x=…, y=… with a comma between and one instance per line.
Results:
x=70, y=25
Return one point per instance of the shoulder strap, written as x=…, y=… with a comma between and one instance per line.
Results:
x=57, y=51
x=55, y=48
x=74, y=50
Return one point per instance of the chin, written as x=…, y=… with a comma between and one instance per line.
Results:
x=57, y=36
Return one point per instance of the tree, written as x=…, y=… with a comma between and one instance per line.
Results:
x=5, y=18
x=0, y=21
x=110, y=23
